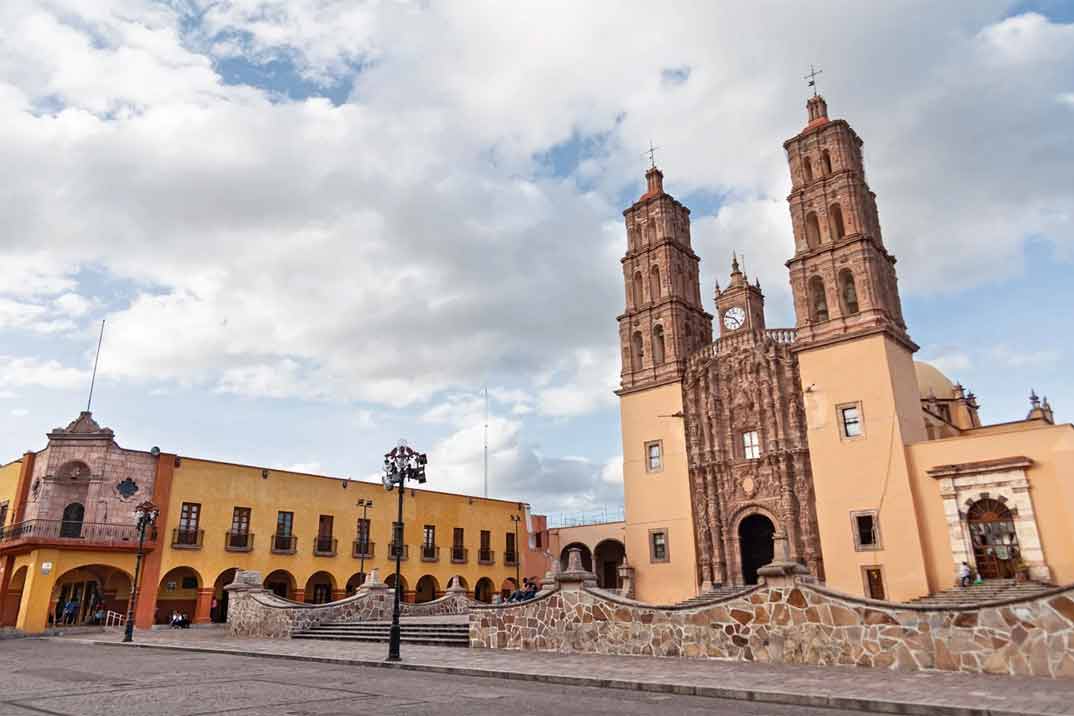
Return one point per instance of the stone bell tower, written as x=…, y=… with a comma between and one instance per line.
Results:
x=855, y=361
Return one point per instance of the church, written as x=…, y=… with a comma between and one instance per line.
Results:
x=822, y=444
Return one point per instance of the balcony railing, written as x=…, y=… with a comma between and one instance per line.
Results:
x=459, y=555
x=430, y=553
x=510, y=558
x=485, y=556
x=363, y=548
x=284, y=544
x=238, y=541
x=82, y=532
x=324, y=547
x=393, y=549
x=186, y=539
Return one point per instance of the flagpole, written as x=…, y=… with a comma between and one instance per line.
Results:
x=96, y=358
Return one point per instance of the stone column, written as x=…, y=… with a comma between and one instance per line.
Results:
x=626, y=573
x=203, y=607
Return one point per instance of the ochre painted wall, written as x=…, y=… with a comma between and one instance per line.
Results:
x=869, y=472
x=1051, y=479
x=658, y=500
x=9, y=484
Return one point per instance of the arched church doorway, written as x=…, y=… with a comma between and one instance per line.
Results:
x=995, y=542
x=755, y=541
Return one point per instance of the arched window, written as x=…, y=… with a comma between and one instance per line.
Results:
x=826, y=161
x=812, y=230
x=654, y=283
x=835, y=222
x=637, y=351
x=818, y=301
x=639, y=298
x=658, y=345
x=848, y=292
x=71, y=526
x=995, y=540
x=807, y=169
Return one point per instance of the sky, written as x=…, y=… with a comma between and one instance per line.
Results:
x=315, y=227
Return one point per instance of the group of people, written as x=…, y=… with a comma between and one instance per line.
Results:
x=528, y=590
x=179, y=620
x=68, y=613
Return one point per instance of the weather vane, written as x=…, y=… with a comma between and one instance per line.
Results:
x=652, y=154
x=812, y=77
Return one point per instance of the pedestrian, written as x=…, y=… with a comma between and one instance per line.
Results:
x=70, y=611
x=964, y=573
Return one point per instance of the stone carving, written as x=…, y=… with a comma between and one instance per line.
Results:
x=795, y=623
x=126, y=489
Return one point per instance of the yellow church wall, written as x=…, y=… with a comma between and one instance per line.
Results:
x=869, y=472
x=220, y=487
x=1051, y=479
x=658, y=500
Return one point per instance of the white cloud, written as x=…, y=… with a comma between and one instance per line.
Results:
x=949, y=361
x=309, y=468
x=19, y=412
x=16, y=372
x=72, y=304
x=1019, y=358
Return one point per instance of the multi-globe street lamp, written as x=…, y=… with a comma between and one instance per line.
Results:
x=146, y=516
x=400, y=465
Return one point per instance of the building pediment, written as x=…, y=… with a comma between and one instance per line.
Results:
x=1003, y=464
x=84, y=427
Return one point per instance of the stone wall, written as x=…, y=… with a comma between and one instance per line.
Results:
x=793, y=622
x=455, y=601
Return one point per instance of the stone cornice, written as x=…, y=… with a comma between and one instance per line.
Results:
x=1015, y=462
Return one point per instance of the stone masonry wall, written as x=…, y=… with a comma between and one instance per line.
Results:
x=795, y=623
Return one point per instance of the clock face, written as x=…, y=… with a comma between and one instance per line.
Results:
x=734, y=318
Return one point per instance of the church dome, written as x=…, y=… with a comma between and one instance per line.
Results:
x=931, y=380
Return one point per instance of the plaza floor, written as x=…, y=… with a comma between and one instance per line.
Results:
x=840, y=687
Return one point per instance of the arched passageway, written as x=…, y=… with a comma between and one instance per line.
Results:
x=218, y=608
x=607, y=557
x=405, y=595
x=483, y=590
x=85, y=595
x=995, y=541
x=587, y=557
x=319, y=588
x=755, y=534
x=178, y=592
x=356, y=580
x=427, y=590
x=9, y=609
x=281, y=583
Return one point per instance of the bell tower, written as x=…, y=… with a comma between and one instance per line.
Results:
x=855, y=361
x=740, y=306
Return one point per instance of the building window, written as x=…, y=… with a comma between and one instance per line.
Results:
x=283, y=540
x=874, y=582
x=485, y=553
x=3, y=514
x=538, y=541
x=751, y=445
x=510, y=555
x=807, y=169
x=654, y=283
x=658, y=546
x=836, y=228
x=637, y=351
x=866, y=528
x=812, y=227
x=654, y=456
x=638, y=296
x=239, y=536
x=325, y=543
x=850, y=421
x=362, y=531
x=189, y=517
x=826, y=161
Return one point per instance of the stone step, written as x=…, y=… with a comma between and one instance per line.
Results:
x=428, y=633
x=989, y=591
x=373, y=639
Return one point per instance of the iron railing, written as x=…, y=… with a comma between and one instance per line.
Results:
x=430, y=553
x=459, y=555
x=84, y=532
x=238, y=541
x=510, y=558
x=393, y=548
x=324, y=547
x=284, y=544
x=363, y=548
x=187, y=539
x=486, y=556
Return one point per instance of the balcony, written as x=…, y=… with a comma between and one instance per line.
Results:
x=510, y=558
x=459, y=555
x=238, y=541
x=363, y=549
x=186, y=539
x=61, y=532
x=394, y=549
x=430, y=553
x=284, y=544
x=486, y=556
x=324, y=547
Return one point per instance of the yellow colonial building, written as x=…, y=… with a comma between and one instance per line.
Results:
x=69, y=534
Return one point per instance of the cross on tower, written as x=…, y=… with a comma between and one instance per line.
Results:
x=812, y=77
x=652, y=154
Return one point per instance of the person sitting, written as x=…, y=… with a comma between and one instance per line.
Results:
x=184, y=621
x=532, y=591
x=516, y=596
x=176, y=621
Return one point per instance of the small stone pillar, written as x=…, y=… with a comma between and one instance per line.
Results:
x=626, y=573
x=575, y=577
x=781, y=571
x=242, y=617
x=454, y=587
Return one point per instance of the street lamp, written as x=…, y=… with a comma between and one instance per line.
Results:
x=400, y=465
x=363, y=544
x=146, y=515
x=516, y=519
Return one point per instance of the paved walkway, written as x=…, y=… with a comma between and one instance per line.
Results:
x=832, y=687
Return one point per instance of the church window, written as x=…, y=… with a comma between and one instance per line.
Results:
x=835, y=222
x=637, y=352
x=654, y=283
x=812, y=230
x=658, y=345
x=807, y=169
x=866, y=529
x=818, y=299
x=850, y=420
x=658, y=546
x=826, y=161
x=751, y=445
x=654, y=456
x=639, y=297
x=849, y=292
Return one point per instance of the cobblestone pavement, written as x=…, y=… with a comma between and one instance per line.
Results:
x=845, y=687
x=66, y=678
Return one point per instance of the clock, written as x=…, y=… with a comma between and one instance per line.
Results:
x=734, y=318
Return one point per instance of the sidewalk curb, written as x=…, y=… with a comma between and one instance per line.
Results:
x=717, y=692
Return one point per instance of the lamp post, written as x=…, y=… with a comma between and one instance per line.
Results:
x=146, y=515
x=363, y=544
x=516, y=519
x=400, y=465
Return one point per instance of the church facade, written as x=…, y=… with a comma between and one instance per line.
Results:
x=825, y=440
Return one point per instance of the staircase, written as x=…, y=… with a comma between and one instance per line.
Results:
x=723, y=591
x=427, y=634
x=990, y=590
